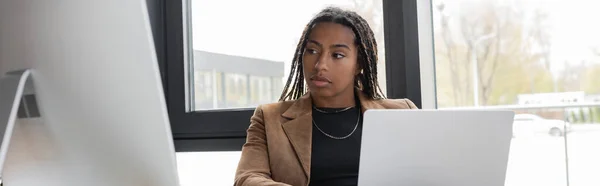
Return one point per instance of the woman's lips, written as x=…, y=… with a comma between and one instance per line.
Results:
x=320, y=81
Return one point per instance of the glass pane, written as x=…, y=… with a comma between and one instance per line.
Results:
x=242, y=54
x=537, y=152
x=583, y=141
x=534, y=53
x=207, y=168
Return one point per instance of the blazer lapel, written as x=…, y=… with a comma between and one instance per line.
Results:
x=299, y=130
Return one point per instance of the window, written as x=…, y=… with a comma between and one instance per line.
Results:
x=537, y=58
x=205, y=90
x=236, y=90
x=262, y=90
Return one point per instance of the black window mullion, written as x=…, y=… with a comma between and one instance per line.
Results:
x=402, y=50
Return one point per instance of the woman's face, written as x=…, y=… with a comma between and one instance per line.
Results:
x=330, y=60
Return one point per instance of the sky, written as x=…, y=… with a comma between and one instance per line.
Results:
x=270, y=29
x=575, y=29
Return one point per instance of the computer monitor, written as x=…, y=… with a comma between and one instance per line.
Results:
x=103, y=118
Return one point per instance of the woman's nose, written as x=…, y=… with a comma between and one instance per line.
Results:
x=322, y=62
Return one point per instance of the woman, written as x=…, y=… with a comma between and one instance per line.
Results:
x=312, y=136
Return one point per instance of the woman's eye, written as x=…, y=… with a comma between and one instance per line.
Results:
x=338, y=55
x=311, y=51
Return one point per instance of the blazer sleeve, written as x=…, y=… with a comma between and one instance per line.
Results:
x=410, y=104
x=253, y=168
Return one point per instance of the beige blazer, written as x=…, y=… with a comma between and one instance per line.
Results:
x=278, y=145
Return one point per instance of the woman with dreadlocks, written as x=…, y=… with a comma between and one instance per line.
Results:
x=312, y=135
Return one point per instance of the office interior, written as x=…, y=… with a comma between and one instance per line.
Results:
x=218, y=60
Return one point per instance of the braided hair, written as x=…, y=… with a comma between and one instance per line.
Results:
x=366, y=81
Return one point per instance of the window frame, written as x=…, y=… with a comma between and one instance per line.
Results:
x=225, y=129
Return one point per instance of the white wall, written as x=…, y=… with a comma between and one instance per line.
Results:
x=104, y=120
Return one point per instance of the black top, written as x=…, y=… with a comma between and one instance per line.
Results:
x=335, y=162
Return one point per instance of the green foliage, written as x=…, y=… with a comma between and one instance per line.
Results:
x=591, y=80
x=596, y=114
x=573, y=118
x=582, y=118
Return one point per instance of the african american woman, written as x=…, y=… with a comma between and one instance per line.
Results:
x=312, y=135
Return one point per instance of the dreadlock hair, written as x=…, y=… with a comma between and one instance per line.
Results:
x=366, y=81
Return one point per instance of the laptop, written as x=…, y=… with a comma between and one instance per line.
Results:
x=435, y=148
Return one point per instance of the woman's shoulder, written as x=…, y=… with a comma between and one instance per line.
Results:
x=274, y=108
x=404, y=103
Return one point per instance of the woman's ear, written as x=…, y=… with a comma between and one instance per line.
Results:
x=358, y=82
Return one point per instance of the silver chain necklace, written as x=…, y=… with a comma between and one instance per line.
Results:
x=334, y=112
x=335, y=137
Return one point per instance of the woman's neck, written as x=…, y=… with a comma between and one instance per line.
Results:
x=339, y=101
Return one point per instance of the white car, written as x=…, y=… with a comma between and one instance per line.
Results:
x=530, y=124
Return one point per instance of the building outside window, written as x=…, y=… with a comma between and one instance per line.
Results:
x=240, y=82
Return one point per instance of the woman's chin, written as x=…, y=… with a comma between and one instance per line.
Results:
x=321, y=92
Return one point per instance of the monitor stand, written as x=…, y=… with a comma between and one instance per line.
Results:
x=12, y=88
